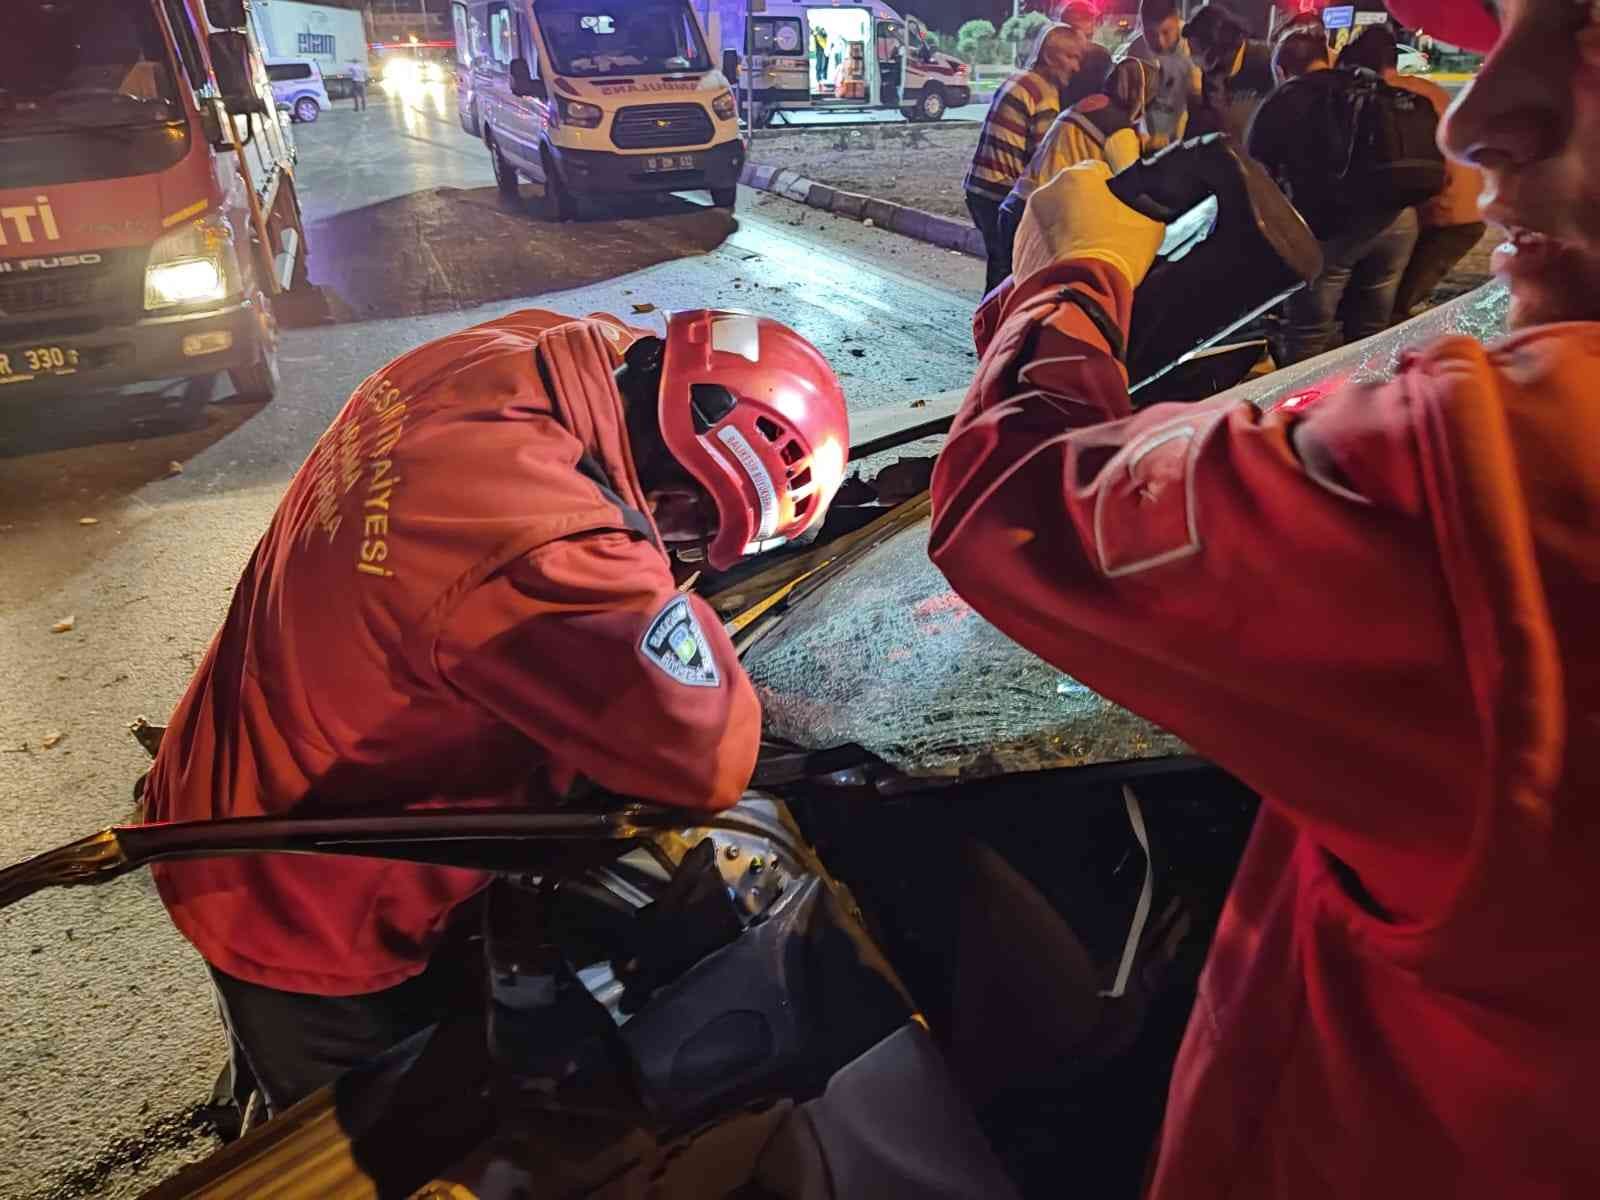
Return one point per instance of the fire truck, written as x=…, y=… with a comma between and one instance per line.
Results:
x=148, y=213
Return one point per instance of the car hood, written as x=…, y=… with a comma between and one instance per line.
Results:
x=884, y=655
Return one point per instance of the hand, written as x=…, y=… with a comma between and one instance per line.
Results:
x=1075, y=216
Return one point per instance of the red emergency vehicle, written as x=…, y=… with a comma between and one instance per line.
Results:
x=147, y=203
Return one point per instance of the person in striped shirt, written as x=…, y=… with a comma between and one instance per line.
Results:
x=1020, y=115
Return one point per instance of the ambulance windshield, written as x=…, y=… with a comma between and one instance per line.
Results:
x=609, y=37
x=83, y=64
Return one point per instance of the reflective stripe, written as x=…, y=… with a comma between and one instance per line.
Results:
x=766, y=494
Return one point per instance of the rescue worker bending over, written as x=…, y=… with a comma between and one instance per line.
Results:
x=465, y=597
x=1378, y=610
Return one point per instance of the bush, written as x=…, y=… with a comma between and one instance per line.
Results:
x=977, y=42
x=1019, y=32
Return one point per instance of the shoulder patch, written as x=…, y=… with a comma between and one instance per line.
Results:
x=677, y=645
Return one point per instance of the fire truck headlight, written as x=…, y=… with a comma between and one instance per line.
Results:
x=192, y=265
x=184, y=282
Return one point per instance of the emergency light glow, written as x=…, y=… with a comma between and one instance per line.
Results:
x=827, y=469
x=184, y=282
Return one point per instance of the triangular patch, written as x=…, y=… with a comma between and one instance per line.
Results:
x=676, y=643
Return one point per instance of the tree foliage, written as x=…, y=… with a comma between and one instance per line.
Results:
x=1020, y=31
x=978, y=42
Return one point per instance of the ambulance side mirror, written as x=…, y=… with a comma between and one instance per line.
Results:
x=523, y=83
x=730, y=65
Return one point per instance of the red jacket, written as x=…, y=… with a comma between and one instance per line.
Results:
x=1381, y=614
x=459, y=600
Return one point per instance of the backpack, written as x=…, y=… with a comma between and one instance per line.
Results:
x=1380, y=142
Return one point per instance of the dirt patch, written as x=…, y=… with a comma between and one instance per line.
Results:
x=916, y=165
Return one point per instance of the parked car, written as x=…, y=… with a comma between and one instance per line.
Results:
x=1414, y=61
x=298, y=87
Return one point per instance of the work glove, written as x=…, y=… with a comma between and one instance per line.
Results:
x=1075, y=216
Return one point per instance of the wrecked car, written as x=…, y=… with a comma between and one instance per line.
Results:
x=945, y=946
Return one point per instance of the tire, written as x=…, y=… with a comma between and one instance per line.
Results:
x=724, y=197
x=258, y=381
x=557, y=203
x=307, y=110
x=931, y=104
x=505, y=175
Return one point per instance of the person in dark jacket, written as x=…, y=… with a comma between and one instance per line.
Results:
x=1236, y=72
x=1364, y=252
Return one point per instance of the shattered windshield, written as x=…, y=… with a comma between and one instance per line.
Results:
x=886, y=656
x=647, y=36
x=74, y=64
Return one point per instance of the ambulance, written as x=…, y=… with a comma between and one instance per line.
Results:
x=596, y=97
x=833, y=55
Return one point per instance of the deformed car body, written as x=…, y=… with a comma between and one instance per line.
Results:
x=946, y=945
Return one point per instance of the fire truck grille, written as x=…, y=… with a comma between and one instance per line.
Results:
x=105, y=291
x=23, y=297
x=646, y=126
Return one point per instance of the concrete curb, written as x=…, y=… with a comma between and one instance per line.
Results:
x=908, y=222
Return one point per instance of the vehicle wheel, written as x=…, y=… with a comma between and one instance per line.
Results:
x=307, y=110
x=931, y=105
x=724, y=197
x=258, y=382
x=505, y=175
x=556, y=204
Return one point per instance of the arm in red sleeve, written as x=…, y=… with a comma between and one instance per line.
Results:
x=585, y=646
x=1293, y=626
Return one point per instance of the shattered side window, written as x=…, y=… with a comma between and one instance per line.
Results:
x=889, y=658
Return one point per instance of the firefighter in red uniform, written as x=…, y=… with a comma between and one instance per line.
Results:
x=465, y=596
x=1380, y=612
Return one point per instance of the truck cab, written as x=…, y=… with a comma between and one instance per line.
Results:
x=598, y=97
x=147, y=204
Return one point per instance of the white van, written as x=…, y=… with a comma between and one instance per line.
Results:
x=298, y=88
x=837, y=55
x=598, y=97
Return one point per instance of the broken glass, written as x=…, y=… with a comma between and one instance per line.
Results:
x=888, y=657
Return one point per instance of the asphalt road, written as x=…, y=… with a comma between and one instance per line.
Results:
x=107, y=1034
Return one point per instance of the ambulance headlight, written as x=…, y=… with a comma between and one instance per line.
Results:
x=576, y=112
x=193, y=264
x=723, y=106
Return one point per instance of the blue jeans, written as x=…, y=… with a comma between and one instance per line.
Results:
x=1354, y=296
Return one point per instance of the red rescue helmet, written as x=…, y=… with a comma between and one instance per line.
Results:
x=755, y=414
x=1470, y=24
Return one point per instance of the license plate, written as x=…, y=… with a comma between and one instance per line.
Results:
x=29, y=362
x=669, y=162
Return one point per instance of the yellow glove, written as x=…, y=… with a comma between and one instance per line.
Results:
x=1076, y=216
